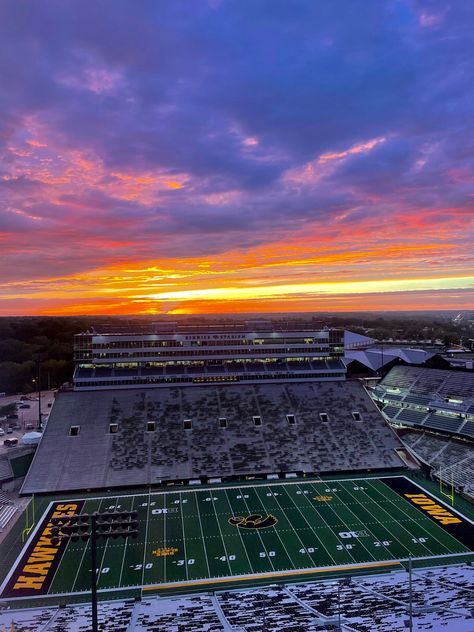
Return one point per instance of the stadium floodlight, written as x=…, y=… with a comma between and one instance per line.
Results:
x=89, y=527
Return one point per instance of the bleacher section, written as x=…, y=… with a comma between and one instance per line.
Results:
x=432, y=398
x=451, y=459
x=442, y=601
x=6, y=471
x=7, y=510
x=136, y=437
x=242, y=371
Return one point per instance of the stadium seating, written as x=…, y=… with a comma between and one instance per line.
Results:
x=446, y=396
x=148, y=442
x=443, y=422
x=411, y=416
x=7, y=510
x=5, y=469
x=452, y=460
x=442, y=600
x=175, y=615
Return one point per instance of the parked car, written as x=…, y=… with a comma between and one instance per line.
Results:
x=2, y=432
x=12, y=416
x=24, y=406
x=9, y=430
x=10, y=442
x=29, y=427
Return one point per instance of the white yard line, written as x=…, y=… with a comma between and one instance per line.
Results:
x=83, y=554
x=295, y=531
x=124, y=554
x=393, y=519
x=146, y=535
x=430, y=535
x=276, y=531
x=164, y=539
x=202, y=535
x=270, y=574
x=220, y=531
x=239, y=532
x=262, y=484
x=309, y=524
x=328, y=525
x=184, y=537
x=258, y=533
x=364, y=526
x=359, y=540
x=105, y=549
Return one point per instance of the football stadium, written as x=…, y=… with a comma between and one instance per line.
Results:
x=238, y=479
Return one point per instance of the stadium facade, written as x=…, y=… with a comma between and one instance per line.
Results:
x=183, y=402
x=170, y=353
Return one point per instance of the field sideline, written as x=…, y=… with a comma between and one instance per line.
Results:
x=202, y=537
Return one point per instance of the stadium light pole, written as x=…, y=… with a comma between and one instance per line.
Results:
x=38, y=359
x=410, y=620
x=90, y=527
x=341, y=582
x=263, y=598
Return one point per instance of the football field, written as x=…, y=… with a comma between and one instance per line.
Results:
x=203, y=537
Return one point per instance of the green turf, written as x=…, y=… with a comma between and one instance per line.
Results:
x=354, y=522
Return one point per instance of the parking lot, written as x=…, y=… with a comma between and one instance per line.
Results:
x=27, y=415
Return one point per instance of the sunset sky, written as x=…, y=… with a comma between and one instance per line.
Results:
x=199, y=156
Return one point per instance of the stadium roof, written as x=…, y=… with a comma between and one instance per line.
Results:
x=377, y=357
x=357, y=341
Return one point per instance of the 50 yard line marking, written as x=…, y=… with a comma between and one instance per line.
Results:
x=295, y=531
x=258, y=533
x=275, y=530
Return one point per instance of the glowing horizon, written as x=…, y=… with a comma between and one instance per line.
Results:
x=190, y=160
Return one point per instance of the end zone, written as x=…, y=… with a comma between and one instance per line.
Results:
x=34, y=570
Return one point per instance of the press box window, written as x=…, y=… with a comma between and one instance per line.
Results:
x=74, y=431
x=291, y=419
x=150, y=426
x=257, y=421
x=222, y=422
x=356, y=416
x=187, y=424
x=324, y=417
x=113, y=428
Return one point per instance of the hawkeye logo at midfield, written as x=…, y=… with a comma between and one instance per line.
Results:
x=437, y=511
x=255, y=521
